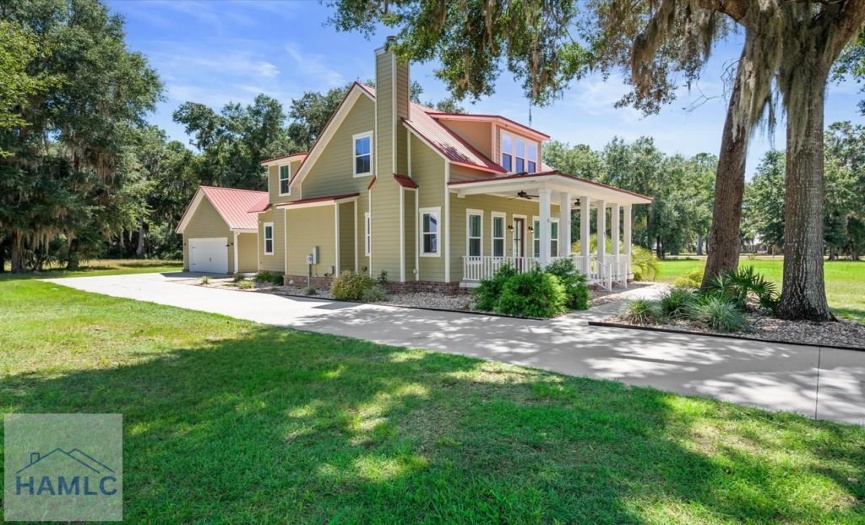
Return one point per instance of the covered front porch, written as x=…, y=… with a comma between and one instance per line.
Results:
x=571, y=195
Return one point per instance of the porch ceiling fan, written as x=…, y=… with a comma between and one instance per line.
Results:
x=523, y=195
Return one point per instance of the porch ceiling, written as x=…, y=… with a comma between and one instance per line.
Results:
x=555, y=181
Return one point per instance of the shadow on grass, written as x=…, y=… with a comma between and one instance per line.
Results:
x=285, y=426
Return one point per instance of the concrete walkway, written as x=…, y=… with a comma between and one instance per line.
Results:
x=817, y=382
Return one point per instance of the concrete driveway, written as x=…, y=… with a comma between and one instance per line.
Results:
x=817, y=382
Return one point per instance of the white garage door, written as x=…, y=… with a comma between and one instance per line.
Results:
x=208, y=255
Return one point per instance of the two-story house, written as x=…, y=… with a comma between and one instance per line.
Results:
x=435, y=200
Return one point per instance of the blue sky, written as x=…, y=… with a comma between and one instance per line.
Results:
x=218, y=51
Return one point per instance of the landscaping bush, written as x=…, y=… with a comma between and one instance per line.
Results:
x=238, y=278
x=574, y=282
x=205, y=280
x=374, y=294
x=644, y=265
x=641, y=312
x=718, y=313
x=266, y=277
x=692, y=279
x=244, y=284
x=489, y=291
x=349, y=286
x=676, y=303
x=738, y=285
x=532, y=294
x=309, y=290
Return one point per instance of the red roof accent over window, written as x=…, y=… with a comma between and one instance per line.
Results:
x=405, y=182
x=234, y=205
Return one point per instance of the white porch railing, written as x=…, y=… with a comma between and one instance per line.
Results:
x=615, y=270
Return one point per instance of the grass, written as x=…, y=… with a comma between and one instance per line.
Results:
x=230, y=422
x=103, y=267
x=845, y=280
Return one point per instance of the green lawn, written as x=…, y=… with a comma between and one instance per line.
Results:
x=104, y=267
x=845, y=280
x=230, y=422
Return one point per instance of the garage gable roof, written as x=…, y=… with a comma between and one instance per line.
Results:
x=231, y=204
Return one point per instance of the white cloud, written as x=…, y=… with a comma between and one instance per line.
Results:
x=313, y=65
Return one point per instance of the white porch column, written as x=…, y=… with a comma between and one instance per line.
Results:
x=585, y=222
x=615, y=230
x=564, y=224
x=627, y=238
x=545, y=204
x=602, y=236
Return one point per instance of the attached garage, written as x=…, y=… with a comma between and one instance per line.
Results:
x=220, y=235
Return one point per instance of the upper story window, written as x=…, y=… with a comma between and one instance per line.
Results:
x=362, y=154
x=284, y=176
x=518, y=154
x=429, y=230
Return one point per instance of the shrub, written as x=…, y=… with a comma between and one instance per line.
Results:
x=675, y=304
x=382, y=278
x=692, y=279
x=205, y=280
x=268, y=277
x=350, y=286
x=574, y=282
x=374, y=294
x=532, y=294
x=244, y=284
x=238, y=278
x=641, y=312
x=737, y=286
x=489, y=291
x=309, y=290
x=719, y=314
x=644, y=265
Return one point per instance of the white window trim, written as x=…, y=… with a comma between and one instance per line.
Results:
x=538, y=233
x=469, y=213
x=437, y=211
x=504, y=237
x=279, y=179
x=264, y=238
x=354, y=138
x=513, y=151
x=555, y=238
x=367, y=233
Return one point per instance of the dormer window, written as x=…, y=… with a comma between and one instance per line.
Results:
x=284, y=177
x=362, y=143
x=518, y=154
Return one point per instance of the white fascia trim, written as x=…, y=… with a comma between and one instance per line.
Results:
x=329, y=131
x=371, y=153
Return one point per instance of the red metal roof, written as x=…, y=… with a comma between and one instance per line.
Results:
x=317, y=199
x=262, y=205
x=444, y=140
x=233, y=205
x=405, y=182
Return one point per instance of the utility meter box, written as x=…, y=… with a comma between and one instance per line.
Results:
x=309, y=259
x=312, y=258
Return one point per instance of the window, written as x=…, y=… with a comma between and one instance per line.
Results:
x=284, y=189
x=519, y=155
x=268, y=238
x=362, y=154
x=429, y=231
x=474, y=233
x=498, y=234
x=367, y=220
x=554, y=237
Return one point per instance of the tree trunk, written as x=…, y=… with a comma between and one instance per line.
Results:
x=73, y=258
x=3, y=245
x=723, y=247
x=16, y=255
x=139, y=250
x=803, y=295
x=699, y=245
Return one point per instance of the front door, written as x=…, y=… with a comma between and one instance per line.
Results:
x=519, y=237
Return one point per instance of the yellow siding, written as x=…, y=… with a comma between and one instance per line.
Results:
x=427, y=170
x=308, y=227
x=402, y=108
x=478, y=134
x=275, y=262
x=384, y=115
x=332, y=173
x=346, y=236
x=247, y=252
x=410, y=235
x=273, y=183
x=206, y=223
x=488, y=204
x=385, y=228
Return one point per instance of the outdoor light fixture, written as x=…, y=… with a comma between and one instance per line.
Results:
x=510, y=227
x=531, y=229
